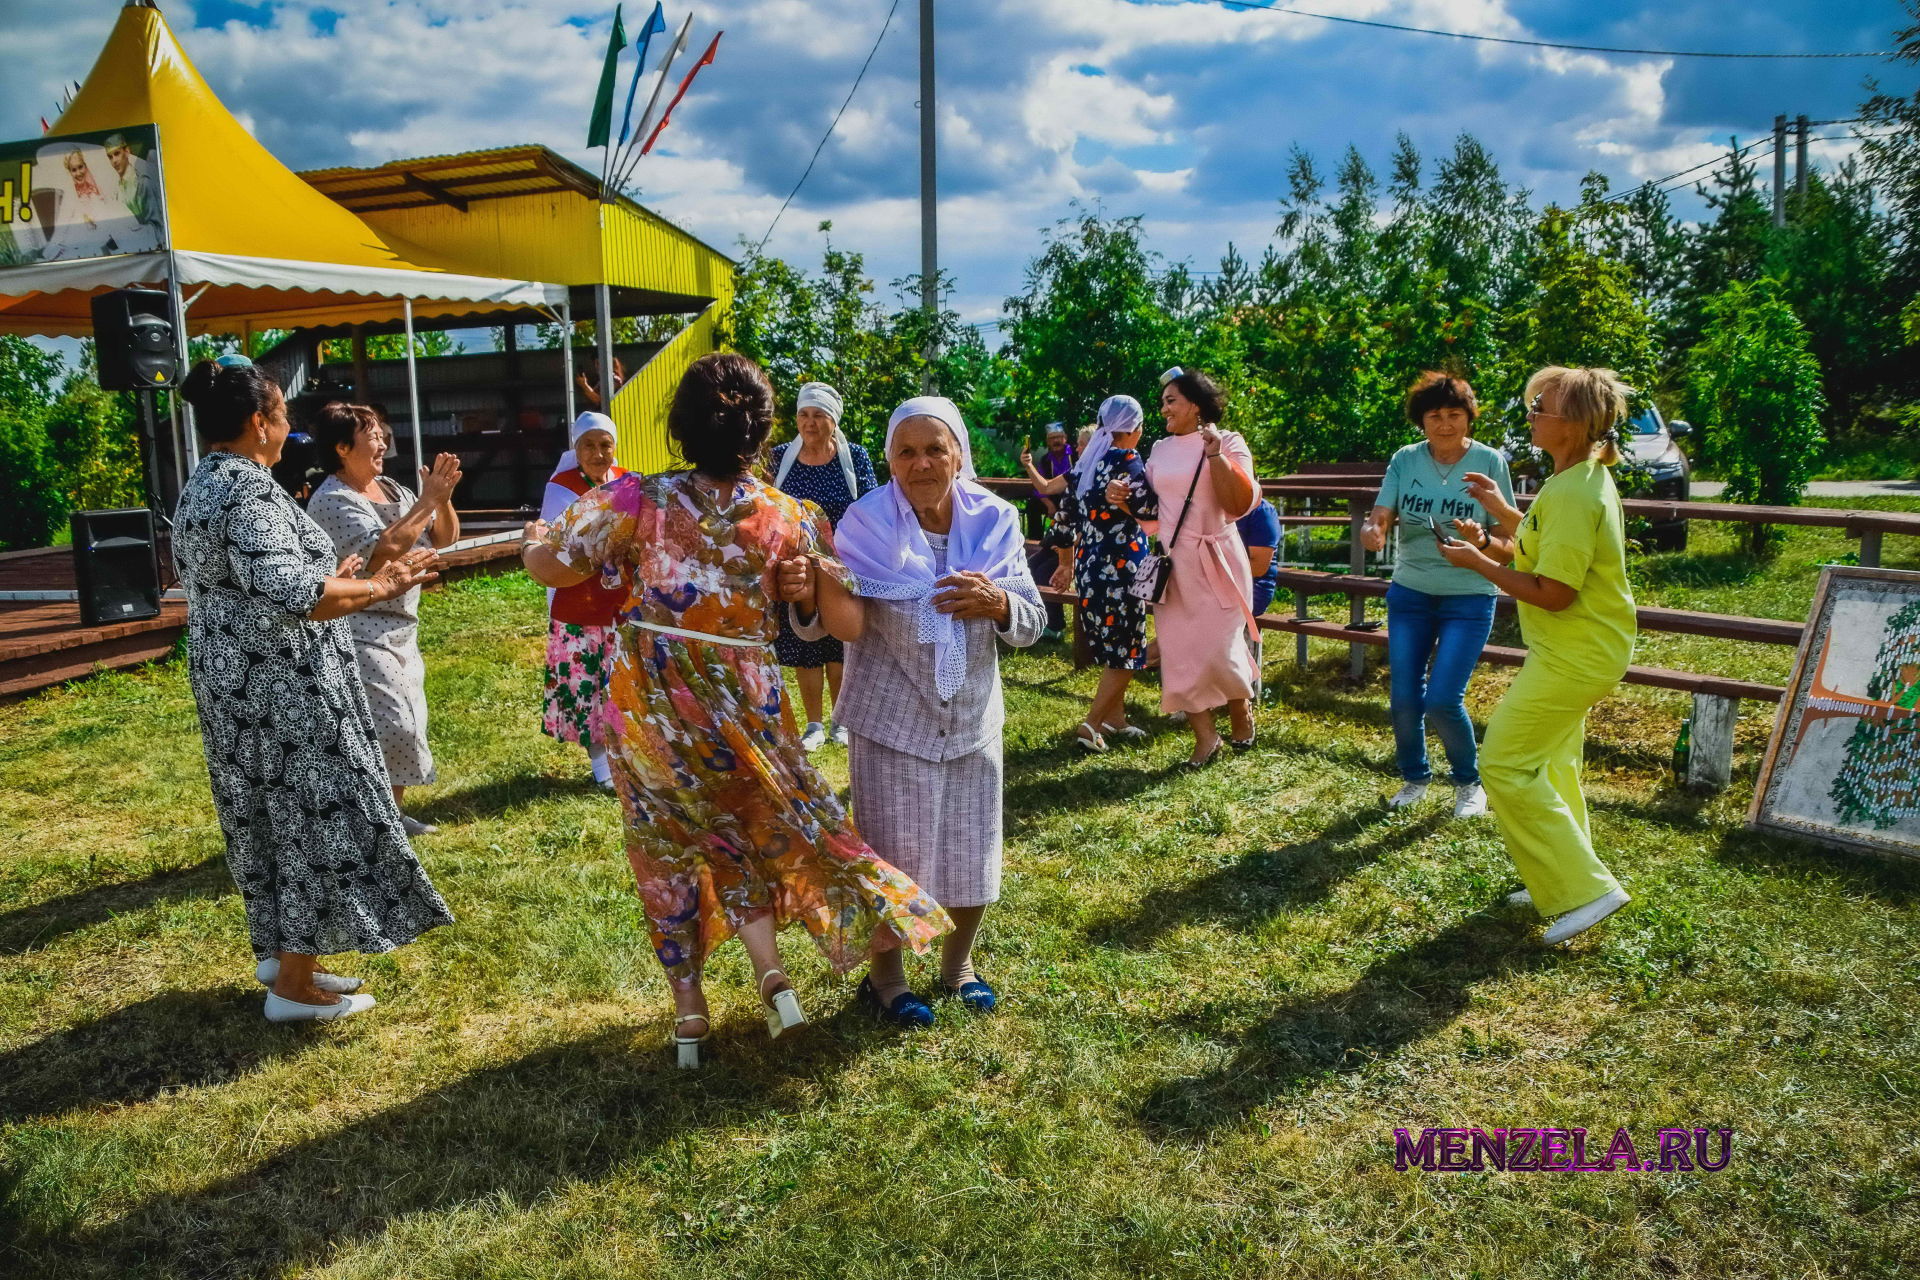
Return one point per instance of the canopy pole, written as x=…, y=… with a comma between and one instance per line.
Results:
x=566, y=357
x=603, y=326
x=183, y=433
x=413, y=393
x=173, y=438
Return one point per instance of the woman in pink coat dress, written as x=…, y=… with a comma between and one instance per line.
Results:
x=1207, y=617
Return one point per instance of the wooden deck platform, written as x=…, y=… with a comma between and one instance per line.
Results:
x=42, y=643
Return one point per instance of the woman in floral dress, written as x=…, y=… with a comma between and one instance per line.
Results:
x=729, y=829
x=1107, y=543
x=580, y=633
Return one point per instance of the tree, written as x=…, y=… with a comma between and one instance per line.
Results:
x=94, y=442
x=1757, y=387
x=33, y=503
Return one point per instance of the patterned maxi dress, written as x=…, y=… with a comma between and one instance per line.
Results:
x=313, y=837
x=579, y=634
x=1107, y=543
x=726, y=820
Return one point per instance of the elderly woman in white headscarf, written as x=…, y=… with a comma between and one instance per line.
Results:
x=580, y=636
x=942, y=573
x=823, y=467
x=1107, y=543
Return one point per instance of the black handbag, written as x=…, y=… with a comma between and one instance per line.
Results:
x=1153, y=572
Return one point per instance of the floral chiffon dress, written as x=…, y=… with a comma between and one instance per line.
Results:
x=726, y=821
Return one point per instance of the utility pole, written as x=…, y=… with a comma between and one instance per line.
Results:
x=929, y=220
x=1800, y=157
x=1780, y=171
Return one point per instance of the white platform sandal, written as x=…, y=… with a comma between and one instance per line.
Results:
x=783, y=1006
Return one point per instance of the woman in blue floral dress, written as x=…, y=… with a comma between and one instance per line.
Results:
x=1107, y=543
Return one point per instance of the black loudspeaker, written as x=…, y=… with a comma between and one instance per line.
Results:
x=133, y=333
x=116, y=566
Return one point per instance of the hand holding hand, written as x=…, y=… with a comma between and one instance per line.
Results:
x=399, y=576
x=437, y=482
x=1119, y=493
x=969, y=594
x=794, y=582
x=1372, y=536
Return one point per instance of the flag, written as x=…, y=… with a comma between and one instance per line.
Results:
x=601, y=126
x=656, y=25
x=674, y=51
x=681, y=92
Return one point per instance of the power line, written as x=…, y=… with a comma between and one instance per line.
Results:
x=1661, y=183
x=831, y=127
x=1538, y=44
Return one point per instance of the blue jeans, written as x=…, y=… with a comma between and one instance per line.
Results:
x=1433, y=643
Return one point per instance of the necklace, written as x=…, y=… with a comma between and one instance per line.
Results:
x=1446, y=477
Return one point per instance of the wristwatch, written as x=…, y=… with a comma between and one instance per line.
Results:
x=1486, y=539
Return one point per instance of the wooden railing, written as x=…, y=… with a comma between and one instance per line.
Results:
x=1716, y=698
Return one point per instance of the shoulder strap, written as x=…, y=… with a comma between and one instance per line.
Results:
x=1188, y=504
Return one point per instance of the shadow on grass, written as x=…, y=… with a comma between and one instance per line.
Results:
x=28, y=928
x=501, y=796
x=1264, y=882
x=181, y=1039
x=1398, y=1001
x=1889, y=877
x=570, y=1113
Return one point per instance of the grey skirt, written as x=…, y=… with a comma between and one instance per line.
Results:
x=388, y=650
x=939, y=823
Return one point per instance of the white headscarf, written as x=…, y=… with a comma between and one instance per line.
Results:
x=881, y=541
x=588, y=421
x=1118, y=416
x=818, y=395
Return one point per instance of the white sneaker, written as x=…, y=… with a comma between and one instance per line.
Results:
x=838, y=734
x=268, y=973
x=1520, y=899
x=1581, y=919
x=280, y=1009
x=1412, y=793
x=1469, y=801
x=415, y=827
x=815, y=737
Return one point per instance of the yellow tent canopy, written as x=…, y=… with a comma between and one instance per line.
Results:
x=254, y=245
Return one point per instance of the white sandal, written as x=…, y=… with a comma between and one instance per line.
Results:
x=1089, y=737
x=1128, y=731
x=687, y=1048
x=783, y=1006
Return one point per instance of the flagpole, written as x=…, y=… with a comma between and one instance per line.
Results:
x=666, y=67
x=655, y=25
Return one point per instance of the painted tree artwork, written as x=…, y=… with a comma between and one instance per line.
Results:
x=1844, y=763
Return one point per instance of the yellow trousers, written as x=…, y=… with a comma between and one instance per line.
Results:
x=1530, y=765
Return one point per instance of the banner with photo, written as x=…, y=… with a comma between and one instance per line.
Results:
x=81, y=195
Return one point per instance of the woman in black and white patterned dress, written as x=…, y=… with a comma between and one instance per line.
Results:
x=314, y=840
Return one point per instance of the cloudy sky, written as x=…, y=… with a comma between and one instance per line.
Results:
x=1179, y=110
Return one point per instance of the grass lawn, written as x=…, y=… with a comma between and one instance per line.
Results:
x=1223, y=992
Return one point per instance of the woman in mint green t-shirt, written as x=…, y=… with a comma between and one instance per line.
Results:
x=1569, y=575
x=1438, y=616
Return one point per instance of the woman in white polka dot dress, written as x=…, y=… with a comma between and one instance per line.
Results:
x=373, y=516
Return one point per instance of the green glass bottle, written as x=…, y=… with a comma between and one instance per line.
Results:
x=1683, y=750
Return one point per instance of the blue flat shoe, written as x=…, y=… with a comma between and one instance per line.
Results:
x=976, y=995
x=907, y=1010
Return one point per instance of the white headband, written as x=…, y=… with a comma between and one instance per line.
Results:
x=591, y=421
x=942, y=410
x=818, y=395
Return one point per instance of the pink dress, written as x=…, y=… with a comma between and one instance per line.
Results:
x=1204, y=624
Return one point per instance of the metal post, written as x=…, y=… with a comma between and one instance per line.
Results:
x=413, y=393
x=929, y=219
x=362, y=393
x=1356, y=604
x=566, y=355
x=1780, y=171
x=184, y=430
x=603, y=324
x=1800, y=156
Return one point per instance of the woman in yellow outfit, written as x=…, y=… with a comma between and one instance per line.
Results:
x=1569, y=575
